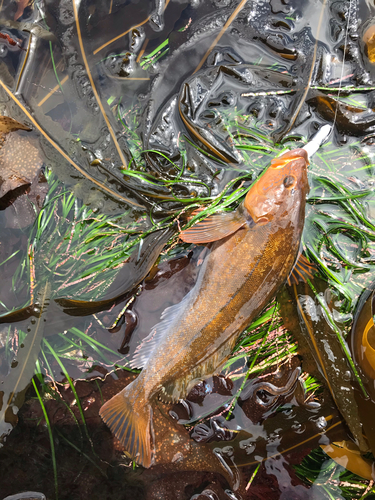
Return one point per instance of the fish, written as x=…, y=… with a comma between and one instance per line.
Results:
x=253, y=251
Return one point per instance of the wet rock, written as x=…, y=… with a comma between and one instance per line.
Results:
x=20, y=160
x=24, y=209
x=222, y=385
x=171, y=486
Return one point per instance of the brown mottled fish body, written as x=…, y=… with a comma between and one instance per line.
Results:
x=242, y=273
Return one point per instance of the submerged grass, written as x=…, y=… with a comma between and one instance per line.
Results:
x=252, y=477
x=85, y=455
x=70, y=382
x=50, y=438
x=252, y=364
x=77, y=347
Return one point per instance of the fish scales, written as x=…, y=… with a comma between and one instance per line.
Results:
x=218, y=307
x=241, y=274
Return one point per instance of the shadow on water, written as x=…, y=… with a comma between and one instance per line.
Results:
x=127, y=118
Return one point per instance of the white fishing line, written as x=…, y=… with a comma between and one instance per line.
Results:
x=343, y=61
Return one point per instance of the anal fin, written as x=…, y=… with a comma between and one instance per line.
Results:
x=179, y=388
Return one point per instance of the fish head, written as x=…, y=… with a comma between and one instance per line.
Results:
x=282, y=188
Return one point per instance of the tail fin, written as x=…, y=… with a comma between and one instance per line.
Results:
x=131, y=426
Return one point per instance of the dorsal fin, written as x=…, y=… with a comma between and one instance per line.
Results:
x=214, y=227
x=302, y=270
x=146, y=347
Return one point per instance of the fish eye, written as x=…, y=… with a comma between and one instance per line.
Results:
x=289, y=181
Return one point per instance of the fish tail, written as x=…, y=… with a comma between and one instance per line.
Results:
x=131, y=425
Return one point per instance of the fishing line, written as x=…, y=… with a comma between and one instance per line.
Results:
x=307, y=88
x=343, y=63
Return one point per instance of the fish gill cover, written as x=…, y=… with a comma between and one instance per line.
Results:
x=123, y=123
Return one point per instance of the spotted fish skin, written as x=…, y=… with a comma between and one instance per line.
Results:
x=242, y=273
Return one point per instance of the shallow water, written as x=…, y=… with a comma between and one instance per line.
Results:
x=190, y=96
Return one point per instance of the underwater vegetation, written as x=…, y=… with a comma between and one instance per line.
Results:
x=142, y=146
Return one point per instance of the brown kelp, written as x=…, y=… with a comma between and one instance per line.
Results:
x=317, y=329
x=362, y=337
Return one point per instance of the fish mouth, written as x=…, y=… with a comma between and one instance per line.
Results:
x=286, y=158
x=285, y=162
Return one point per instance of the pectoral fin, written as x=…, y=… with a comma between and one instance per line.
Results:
x=302, y=270
x=213, y=228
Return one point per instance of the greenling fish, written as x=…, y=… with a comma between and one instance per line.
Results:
x=253, y=254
